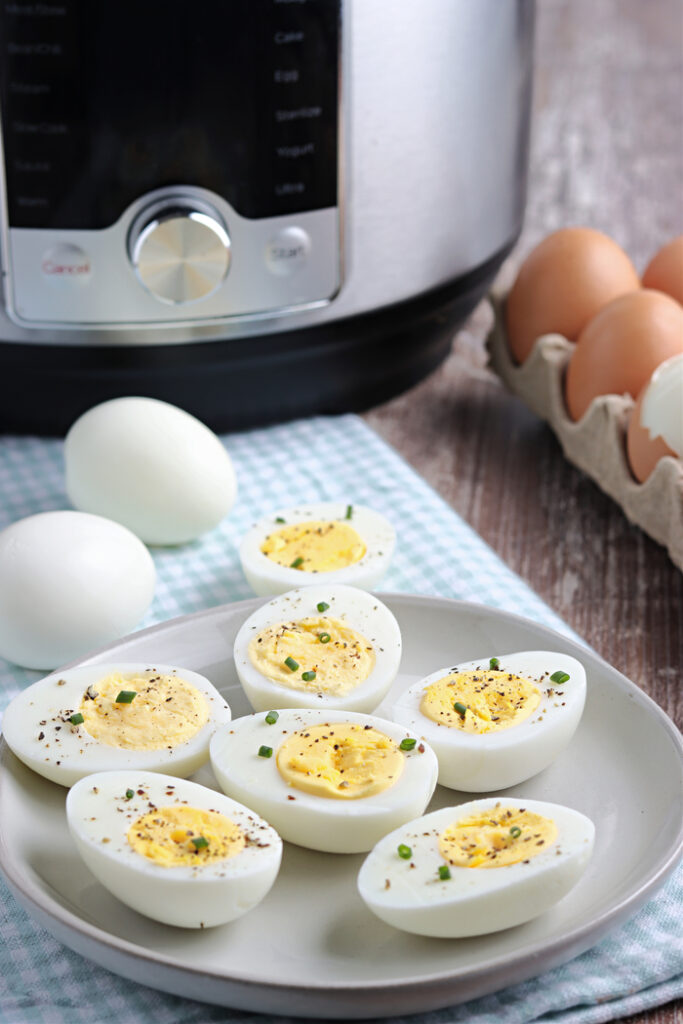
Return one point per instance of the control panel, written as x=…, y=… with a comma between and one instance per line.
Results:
x=166, y=162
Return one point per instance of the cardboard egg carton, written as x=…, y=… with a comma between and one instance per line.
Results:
x=597, y=442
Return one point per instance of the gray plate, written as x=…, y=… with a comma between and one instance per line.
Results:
x=312, y=948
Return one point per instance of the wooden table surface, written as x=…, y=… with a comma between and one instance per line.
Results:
x=607, y=151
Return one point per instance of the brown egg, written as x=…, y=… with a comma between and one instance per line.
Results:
x=562, y=284
x=643, y=451
x=621, y=347
x=665, y=270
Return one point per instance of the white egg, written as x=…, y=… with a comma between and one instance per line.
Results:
x=359, y=635
x=247, y=757
x=662, y=404
x=371, y=545
x=477, y=762
x=148, y=731
x=406, y=889
x=69, y=583
x=102, y=808
x=150, y=466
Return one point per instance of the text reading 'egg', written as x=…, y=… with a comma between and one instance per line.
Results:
x=331, y=542
x=497, y=721
x=103, y=717
x=328, y=781
x=477, y=868
x=171, y=849
x=324, y=646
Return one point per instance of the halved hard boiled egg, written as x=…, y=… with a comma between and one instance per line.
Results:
x=477, y=868
x=497, y=721
x=331, y=541
x=123, y=715
x=324, y=646
x=172, y=849
x=328, y=781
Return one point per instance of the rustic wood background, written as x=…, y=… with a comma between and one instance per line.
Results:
x=607, y=151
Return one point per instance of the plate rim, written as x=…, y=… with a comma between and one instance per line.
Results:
x=33, y=898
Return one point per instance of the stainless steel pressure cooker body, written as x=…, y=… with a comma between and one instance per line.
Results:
x=255, y=209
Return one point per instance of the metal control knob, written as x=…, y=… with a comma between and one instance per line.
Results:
x=180, y=253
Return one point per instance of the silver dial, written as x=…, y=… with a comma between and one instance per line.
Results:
x=180, y=253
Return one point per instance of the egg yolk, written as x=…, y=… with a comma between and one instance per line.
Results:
x=495, y=839
x=164, y=711
x=315, y=546
x=480, y=701
x=342, y=760
x=182, y=835
x=317, y=655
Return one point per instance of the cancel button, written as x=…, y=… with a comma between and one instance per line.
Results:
x=66, y=263
x=288, y=251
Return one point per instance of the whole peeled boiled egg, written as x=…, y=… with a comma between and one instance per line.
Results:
x=325, y=646
x=621, y=347
x=477, y=868
x=69, y=582
x=331, y=781
x=150, y=466
x=664, y=272
x=332, y=541
x=495, y=722
x=122, y=715
x=171, y=849
x=655, y=428
x=562, y=284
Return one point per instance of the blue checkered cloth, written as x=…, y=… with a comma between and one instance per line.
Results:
x=639, y=966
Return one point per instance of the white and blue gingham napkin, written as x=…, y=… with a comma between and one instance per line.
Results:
x=638, y=966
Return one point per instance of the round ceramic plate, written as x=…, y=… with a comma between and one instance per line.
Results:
x=312, y=948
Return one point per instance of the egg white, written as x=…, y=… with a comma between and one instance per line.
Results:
x=190, y=896
x=319, y=823
x=267, y=577
x=408, y=894
x=360, y=610
x=36, y=727
x=497, y=760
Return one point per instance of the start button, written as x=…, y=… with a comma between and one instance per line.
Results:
x=288, y=251
x=66, y=264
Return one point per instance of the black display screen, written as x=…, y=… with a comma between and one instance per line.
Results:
x=106, y=100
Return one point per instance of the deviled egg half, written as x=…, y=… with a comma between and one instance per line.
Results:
x=328, y=781
x=319, y=647
x=477, y=868
x=334, y=541
x=172, y=849
x=497, y=721
x=123, y=715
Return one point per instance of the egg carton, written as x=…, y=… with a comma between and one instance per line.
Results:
x=596, y=443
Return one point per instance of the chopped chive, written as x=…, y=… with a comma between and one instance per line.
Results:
x=279, y=519
x=349, y=512
x=404, y=852
x=322, y=606
x=290, y=663
x=408, y=743
x=460, y=708
x=265, y=751
x=296, y=563
x=324, y=638
x=559, y=677
x=129, y=794
x=126, y=697
x=444, y=872
x=308, y=677
x=272, y=717
x=77, y=718
x=200, y=843
x=515, y=832
x=494, y=663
